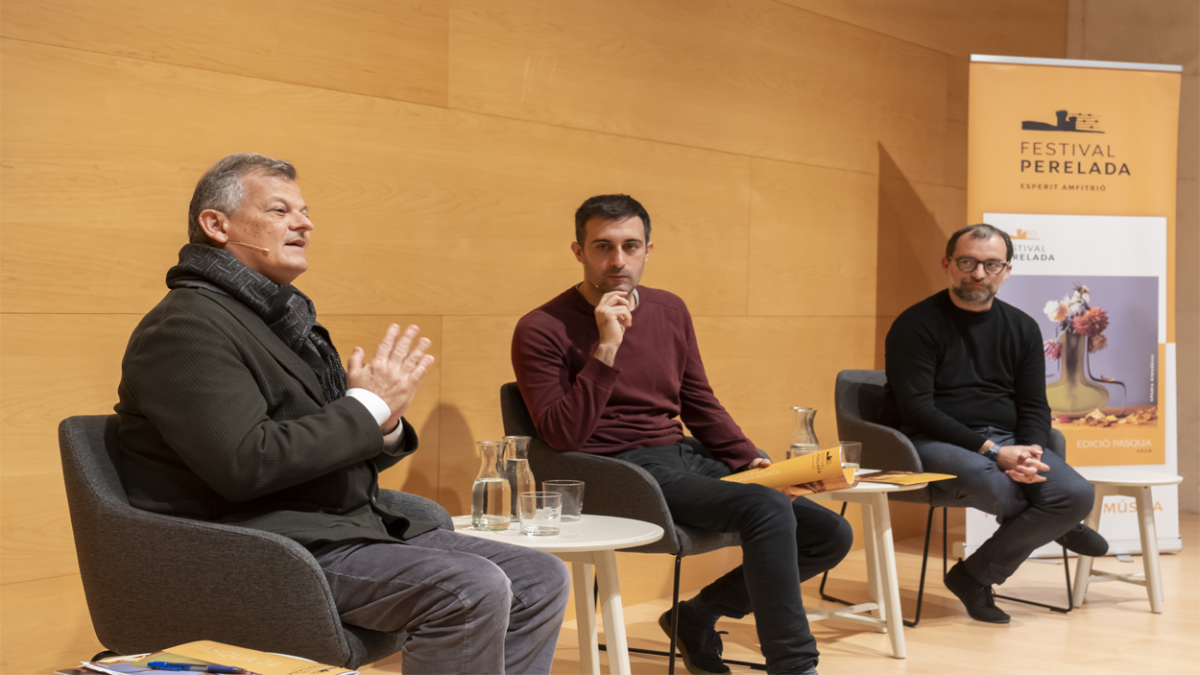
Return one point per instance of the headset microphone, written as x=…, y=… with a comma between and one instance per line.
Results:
x=238, y=243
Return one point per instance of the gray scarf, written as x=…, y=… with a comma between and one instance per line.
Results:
x=289, y=313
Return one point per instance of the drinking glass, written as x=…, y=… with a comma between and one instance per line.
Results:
x=541, y=513
x=851, y=457
x=572, y=498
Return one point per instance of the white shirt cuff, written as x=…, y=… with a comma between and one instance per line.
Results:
x=391, y=441
x=375, y=405
x=381, y=412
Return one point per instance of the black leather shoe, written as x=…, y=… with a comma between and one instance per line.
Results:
x=977, y=598
x=1084, y=541
x=699, y=643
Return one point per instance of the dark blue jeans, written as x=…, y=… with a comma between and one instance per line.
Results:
x=784, y=542
x=1030, y=514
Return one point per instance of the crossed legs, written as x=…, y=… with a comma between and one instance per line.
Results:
x=783, y=543
x=1030, y=514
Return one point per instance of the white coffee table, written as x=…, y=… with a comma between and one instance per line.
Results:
x=1131, y=482
x=590, y=546
x=882, y=583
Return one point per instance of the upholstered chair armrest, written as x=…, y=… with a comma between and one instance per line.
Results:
x=884, y=448
x=1058, y=443
x=156, y=579
x=416, y=508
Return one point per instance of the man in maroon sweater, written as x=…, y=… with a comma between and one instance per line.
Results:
x=610, y=368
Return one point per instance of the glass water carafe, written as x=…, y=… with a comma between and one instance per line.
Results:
x=491, y=502
x=804, y=437
x=516, y=470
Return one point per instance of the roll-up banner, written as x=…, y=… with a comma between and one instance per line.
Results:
x=1075, y=160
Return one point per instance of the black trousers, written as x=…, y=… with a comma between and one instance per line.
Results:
x=784, y=542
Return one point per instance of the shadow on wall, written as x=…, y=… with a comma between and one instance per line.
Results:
x=456, y=476
x=908, y=246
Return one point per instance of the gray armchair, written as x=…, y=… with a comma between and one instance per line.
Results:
x=616, y=488
x=153, y=581
x=858, y=399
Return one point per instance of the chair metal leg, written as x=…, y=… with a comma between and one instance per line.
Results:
x=924, y=564
x=674, y=615
x=1053, y=608
x=675, y=632
x=825, y=576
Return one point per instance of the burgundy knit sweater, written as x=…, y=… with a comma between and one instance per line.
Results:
x=579, y=403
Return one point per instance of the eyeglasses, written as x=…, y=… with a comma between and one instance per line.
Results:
x=989, y=266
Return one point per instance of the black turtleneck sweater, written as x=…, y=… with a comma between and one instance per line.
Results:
x=951, y=371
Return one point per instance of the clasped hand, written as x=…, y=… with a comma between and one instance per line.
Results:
x=1022, y=463
x=395, y=372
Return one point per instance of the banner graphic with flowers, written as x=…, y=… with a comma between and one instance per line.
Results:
x=1076, y=161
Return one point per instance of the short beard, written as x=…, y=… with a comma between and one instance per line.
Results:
x=974, y=296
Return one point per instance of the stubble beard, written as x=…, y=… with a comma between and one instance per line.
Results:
x=979, y=295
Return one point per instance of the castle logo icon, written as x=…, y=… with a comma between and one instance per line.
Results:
x=1082, y=123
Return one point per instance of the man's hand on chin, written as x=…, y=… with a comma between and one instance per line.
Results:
x=614, y=313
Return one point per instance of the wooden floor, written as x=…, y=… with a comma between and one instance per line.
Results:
x=1114, y=632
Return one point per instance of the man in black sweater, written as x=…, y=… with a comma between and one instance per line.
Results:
x=967, y=383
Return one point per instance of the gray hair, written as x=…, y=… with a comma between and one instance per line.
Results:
x=221, y=189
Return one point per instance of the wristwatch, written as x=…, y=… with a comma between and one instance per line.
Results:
x=991, y=454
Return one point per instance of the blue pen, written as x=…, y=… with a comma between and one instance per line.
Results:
x=196, y=667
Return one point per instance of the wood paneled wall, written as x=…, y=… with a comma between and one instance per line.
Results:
x=802, y=161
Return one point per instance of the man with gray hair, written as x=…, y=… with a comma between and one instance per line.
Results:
x=235, y=408
x=966, y=381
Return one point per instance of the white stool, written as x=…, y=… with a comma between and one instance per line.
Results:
x=1134, y=483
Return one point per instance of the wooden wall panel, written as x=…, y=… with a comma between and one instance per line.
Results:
x=425, y=209
x=760, y=367
x=53, y=367
x=954, y=146
x=1189, y=133
x=394, y=49
x=477, y=363
x=812, y=241
x=1003, y=27
x=46, y=626
x=37, y=541
x=915, y=221
x=1164, y=31
x=753, y=77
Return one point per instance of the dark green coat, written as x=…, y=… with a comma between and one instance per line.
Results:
x=221, y=421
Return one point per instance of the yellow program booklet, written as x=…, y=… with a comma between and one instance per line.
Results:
x=207, y=652
x=815, y=472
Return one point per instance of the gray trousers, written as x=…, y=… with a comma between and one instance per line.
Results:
x=469, y=605
x=1030, y=514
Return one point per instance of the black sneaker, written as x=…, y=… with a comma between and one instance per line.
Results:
x=975, y=596
x=699, y=643
x=1084, y=541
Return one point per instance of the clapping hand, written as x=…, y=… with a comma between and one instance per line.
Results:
x=395, y=372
